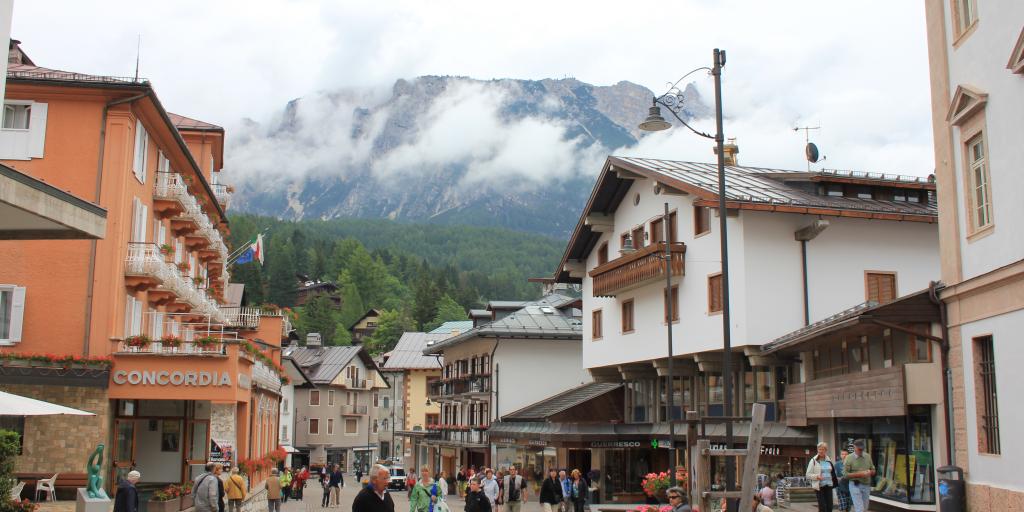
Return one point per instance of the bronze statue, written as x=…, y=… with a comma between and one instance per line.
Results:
x=94, y=468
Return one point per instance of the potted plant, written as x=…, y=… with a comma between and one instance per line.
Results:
x=187, y=500
x=170, y=341
x=137, y=342
x=183, y=267
x=166, y=249
x=23, y=505
x=166, y=499
x=205, y=342
x=197, y=280
x=656, y=485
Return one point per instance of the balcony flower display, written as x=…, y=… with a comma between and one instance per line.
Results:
x=205, y=342
x=137, y=341
x=64, y=361
x=170, y=341
x=197, y=280
x=656, y=484
x=183, y=267
x=166, y=249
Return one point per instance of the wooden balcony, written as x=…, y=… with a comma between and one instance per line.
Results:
x=631, y=271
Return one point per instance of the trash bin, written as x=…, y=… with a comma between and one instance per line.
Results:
x=952, y=494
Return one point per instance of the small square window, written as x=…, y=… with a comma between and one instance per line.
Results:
x=17, y=117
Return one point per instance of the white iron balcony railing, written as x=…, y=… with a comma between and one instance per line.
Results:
x=245, y=317
x=144, y=259
x=220, y=191
x=169, y=185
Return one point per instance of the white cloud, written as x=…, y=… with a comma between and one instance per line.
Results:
x=861, y=75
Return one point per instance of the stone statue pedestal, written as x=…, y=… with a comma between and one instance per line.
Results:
x=86, y=504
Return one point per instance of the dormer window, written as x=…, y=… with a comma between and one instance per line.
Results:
x=834, y=189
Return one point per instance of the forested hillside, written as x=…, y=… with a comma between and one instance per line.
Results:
x=419, y=274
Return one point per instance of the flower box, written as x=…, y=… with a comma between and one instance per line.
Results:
x=171, y=505
x=187, y=502
x=138, y=341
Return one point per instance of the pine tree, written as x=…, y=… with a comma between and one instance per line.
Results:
x=281, y=283
x=425, y=298
x=352, y=306
x=319, y=315
x=447, y=310
x=390, y=327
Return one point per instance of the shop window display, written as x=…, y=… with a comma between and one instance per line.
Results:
x=901, y=448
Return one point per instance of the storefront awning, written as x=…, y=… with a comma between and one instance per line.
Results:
x=289, y=448
x=775, y=432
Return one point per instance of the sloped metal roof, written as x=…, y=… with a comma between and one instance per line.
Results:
x=453, y=326
x=563, y=401
x=477, y=313
x=187, y=123
x=408, y=353
x=323, y=364
x=541, y=319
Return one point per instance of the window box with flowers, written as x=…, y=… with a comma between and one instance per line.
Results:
x=184, y=268
x=167, y=499
x=198, y=281
x=205, y=343
x=170, y=342
x=167, y=249
x=187, y=500
x=138, y=342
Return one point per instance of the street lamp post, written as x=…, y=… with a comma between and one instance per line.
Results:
x=673, y=101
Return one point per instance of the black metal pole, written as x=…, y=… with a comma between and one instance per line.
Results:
x=671, y=354
x=730, y=467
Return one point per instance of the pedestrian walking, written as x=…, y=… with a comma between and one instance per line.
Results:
x=489, y=486
x=218, y=471
x=286, y=484
x=843, y=489
x=767, y=494
x=359, y=476
x=460, y=481
x=578, y=491
x=476, y=499
x=335, y=482
x=821, y=474
x=677, y=499
x=757, y=505
x=374, y=497
x=514, y=493
x=235, y=490
x=299, y=482
x=566, y=484
x=127, y=497
x=859, y=470
x=551, y=492
x=424, y=493
x=442, y=486
x=204, y=490
x=274, y=494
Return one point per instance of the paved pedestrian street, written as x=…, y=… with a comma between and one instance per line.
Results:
x=313, y=495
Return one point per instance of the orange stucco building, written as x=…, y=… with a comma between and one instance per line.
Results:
x=134, y=323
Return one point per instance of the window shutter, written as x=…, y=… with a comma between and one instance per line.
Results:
x=136, y=316
x=881, y=287
x=128, y=316
x=158, y=325
x=17, y=313
x=179, y=251
x=37, y=130
x=144, y=225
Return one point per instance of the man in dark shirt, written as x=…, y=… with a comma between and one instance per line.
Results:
x=374, y=497
x=476, y=500
x=334, y=484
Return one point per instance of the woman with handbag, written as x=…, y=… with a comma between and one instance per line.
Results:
x=822, y=476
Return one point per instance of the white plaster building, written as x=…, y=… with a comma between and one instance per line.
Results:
x=976, y=57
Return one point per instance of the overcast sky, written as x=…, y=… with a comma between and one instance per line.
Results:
x=859, y=69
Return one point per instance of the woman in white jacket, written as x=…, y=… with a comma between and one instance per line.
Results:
x=821, y=474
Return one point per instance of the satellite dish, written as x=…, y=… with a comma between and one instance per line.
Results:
x=812, y=152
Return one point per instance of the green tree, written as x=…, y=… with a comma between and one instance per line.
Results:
x=281, y=281
x=425, y=298
x=341, y=336
x=319, y=315
x=447, y=310
x=390, y=327
x=9, y=442
x=352, y=306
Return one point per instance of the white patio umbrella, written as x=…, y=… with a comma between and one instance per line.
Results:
x=17, y=405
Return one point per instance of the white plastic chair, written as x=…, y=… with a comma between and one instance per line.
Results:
x=49, y=486
x=16, y=491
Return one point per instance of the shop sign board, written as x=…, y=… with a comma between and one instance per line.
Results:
x=171, y=378
x=616, y=444
x=876, y=393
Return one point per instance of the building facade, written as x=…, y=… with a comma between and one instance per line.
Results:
x=132, y=322
x=803, y=245
x=976, y=62
x=410, y=373
x=338, y=418
x=492, y=369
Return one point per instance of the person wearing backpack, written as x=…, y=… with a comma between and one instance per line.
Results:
x=205, y=490
x=514, y=493
x=235, y=487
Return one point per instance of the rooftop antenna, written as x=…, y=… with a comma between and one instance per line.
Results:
x=811, y=149
x=138, y=51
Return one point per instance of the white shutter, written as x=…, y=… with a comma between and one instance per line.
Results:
x=127, y=315
x=141, y=151
x=144, y=225
x=137, y=318
x=161, y=232
x=157, y=327
x=135, y=219
x=37, y=130
x=179, y=251
x=17, y=312
x=191, y=265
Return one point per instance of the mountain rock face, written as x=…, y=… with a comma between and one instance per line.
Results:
x=521, y=154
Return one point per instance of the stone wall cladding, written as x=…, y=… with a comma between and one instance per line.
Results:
x=985, y=498
x=63, y=443
x=222, y=423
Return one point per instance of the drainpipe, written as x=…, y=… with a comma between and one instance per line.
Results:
x=494, y=389
x=804, y=235
x=947, y=390
x=89, y=288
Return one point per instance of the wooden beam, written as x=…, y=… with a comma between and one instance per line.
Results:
x=661, y=188
x=753, y=453
x=575, y=269
x=623, y=174
x=600, y=222
x=902, y=329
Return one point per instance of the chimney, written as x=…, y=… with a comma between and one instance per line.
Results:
x=731, y=150
x=313, y=340
x=15, y=55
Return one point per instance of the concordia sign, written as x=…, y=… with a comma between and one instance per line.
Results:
x=171, y=378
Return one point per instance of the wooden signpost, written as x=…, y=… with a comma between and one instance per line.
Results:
x=700, y=462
